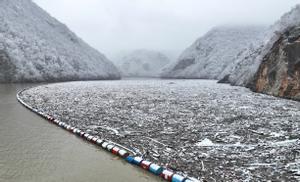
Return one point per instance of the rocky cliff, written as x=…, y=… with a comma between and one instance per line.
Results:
x=271, y=65
x=35, y=47
x=279, y=72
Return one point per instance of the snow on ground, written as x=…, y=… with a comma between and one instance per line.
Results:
x=35, y=47
x=208, y=130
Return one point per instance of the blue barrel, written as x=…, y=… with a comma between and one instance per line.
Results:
x=155, y=169
x=137, y=160
x=129, y=159
x=178, y=178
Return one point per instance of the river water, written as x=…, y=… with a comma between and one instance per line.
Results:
x=33, y=150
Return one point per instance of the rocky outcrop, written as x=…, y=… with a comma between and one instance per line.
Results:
x=35, y=47
x=279, y=72
x=250, y=62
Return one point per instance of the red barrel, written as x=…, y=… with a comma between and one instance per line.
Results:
x=123, y=153
x=145, y=165
x=115, y=150
x=167, y=175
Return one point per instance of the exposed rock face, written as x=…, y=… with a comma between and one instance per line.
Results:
x=34, y=47
x=248, y=62
x=212, y=56
x=279, y=72
x=142, y=63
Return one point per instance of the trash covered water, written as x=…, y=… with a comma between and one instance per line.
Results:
x=207, y=130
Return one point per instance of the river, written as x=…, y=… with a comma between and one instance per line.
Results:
x=33, y=150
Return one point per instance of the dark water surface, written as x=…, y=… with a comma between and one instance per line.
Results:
x=33, y=150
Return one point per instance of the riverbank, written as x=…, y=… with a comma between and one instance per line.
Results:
x=204, y=129
x=32, y=150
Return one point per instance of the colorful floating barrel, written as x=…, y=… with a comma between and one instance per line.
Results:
x=178, y=178
x=129, y=159
x=123, y=153
x=167, y=175
x=86, y=135
x=115, y=150
x=137, y=160
x=104, y=145
x=89, y=138
x=145, y=165
x=94, y=139
x=110, y=147
x=99, y=142
x=155, y=169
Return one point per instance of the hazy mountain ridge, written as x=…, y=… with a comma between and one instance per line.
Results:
x=35, y=47
x=142, y=63
x=212, y=56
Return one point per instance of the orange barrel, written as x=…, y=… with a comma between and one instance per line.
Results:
x=104, y=145
x=110, y=147
x=137, y=160
x=123, y=153
x=115, y=150
x=99, y=142
x=178, y=178
x=167, y=175
x=145, y=165
x=155, y=169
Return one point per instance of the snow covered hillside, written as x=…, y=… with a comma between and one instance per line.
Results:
x=212, y=55
x=142, y=63
x=249, y=61
x=35, y=47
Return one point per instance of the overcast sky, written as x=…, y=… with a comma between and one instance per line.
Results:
x=116, y=25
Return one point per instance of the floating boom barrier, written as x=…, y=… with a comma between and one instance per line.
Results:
x=113, y=148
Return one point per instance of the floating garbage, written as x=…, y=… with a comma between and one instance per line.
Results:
x=113, y=148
